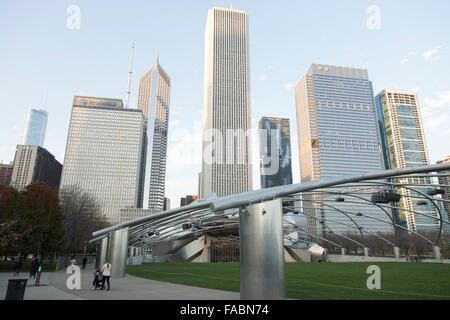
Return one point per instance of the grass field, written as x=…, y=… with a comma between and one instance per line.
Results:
x=325, y=281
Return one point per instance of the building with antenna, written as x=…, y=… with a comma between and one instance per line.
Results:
x=130, y=71
x=154, y=102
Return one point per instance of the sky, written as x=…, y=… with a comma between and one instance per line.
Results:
x=53, y=50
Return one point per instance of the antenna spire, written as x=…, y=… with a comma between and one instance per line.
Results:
x=129, y=75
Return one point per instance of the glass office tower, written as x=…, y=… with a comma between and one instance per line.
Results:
x=154, y=101
x=226, y=160
x=104, y=154
x=338, y=136
x=403, y=147
x=35, y=127
x=275, y=152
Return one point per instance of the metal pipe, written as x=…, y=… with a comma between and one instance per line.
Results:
x=262, y=252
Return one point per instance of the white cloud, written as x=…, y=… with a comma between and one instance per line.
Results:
x=263, y=78
x=442, y=101
x=403, y=61
x=435, y=111
x=433, y=51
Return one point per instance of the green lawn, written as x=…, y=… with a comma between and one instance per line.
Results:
x=316, y=280
x=9, y=267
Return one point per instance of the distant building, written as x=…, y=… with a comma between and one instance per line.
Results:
x=154, y=101
x=104, y=153
x=186, y=200
x=226, y=160
x=35, y=164
x=35, y=127
x=5, y=174
x=337, y=136
x=129, y=214
x=275, y=164
x=404, y=146
x=166, y=204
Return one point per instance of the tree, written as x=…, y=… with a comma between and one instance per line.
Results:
x=31, y=221
x=81, y=217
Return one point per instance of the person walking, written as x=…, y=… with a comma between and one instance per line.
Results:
x=106, y=272
x=17, y=266
x=84, y=261
x=73, y=261
x=35, y=267
x=38, y=273
x=31, y=267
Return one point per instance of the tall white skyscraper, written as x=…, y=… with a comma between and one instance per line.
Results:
x=226, y=161
x=154, y=101
x=35, y=127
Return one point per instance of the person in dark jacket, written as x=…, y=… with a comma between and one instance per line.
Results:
x=17, y=266
x=84, y=262
x=35, y=267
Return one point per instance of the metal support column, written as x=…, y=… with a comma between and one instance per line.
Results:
x=262, y=252
x=437, y=252
x=397, y=252
x=118, y=252
x=343, y=251
x=366, y=251
x=102, y=250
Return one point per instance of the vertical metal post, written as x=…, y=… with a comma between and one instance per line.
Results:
x=118, y=252
x=397, y=252
x=437, y=252
x=343, y=251
x=366, y=251
x=262, y=252
x=102, y=251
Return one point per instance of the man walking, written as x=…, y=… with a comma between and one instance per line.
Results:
x=83, y=265
x=106, y=272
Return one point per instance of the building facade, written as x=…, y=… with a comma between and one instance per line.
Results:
x=5, y=173
x=35, y=127
x=184, y=201
x=104, y=154
x=154, y=101
x=35, y=164
x=337, y=136
x=403, y=147
x=275, y=152
x=226, y=160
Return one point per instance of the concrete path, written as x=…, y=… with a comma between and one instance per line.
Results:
x=53, y=287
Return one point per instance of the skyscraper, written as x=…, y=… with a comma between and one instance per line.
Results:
x=35, y=164
x=403, y=147
x=338, y=136
x=104, y=154
x=154, y=101
x=226, y=161
x=275, y=152
x=35, y=127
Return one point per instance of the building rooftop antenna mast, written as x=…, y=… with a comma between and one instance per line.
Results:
x=129, y=76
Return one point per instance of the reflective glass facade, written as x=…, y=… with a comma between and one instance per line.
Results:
x=104, y=155
x=338, y=136
x=35, y=127
x=404, y=146
x=275, y=133
x=154, y=101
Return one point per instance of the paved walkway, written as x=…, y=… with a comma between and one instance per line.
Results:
x=53, y=287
